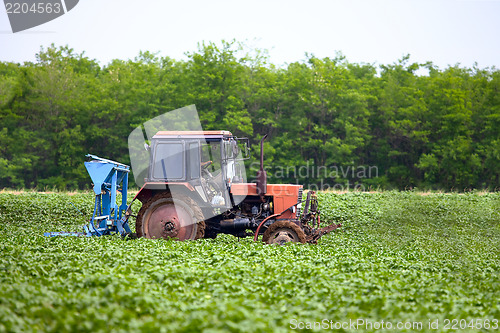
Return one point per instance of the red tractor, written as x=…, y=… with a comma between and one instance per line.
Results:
x=196, y=188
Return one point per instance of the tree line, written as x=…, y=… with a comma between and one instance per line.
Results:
x=415, y=124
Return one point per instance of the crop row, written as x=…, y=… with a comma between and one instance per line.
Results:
x=400, y=256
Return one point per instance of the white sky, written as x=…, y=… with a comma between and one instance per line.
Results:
x=373, y=31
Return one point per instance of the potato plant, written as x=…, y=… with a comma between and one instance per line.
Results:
x=400, y=256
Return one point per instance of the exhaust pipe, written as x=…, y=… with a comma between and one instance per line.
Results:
x=261, y=174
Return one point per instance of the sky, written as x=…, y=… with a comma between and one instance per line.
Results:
x=446, y=32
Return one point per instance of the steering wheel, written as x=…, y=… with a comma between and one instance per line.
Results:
x=206, y=164
x=204, y=169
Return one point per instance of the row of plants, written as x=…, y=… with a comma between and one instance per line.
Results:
x=399, y=257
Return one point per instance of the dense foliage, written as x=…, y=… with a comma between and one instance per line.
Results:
x=416, y=125
x=400, y=257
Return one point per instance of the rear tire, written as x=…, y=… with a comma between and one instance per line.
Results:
x=164, y=216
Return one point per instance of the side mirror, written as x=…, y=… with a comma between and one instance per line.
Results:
x=147, y=147
x=236, y=149
x=245, y=149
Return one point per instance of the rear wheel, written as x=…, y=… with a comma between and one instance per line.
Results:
x=164, y=216
x=283, y=231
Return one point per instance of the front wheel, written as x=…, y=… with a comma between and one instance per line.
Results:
x=165, y=216
x=282, y=232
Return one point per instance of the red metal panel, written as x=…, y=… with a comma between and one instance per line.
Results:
x=272, y=189
x=208, y=134
x=149, y=189
x=284, y=195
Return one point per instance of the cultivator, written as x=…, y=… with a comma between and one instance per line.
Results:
x=109, y=178
x=311, y=220
x=195, y=189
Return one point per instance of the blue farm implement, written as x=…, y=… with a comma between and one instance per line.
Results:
x=109, y=178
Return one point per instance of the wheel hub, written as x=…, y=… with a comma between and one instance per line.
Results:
x=171, y=228
x=283, y=237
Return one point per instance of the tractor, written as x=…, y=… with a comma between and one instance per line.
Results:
x=195, y=187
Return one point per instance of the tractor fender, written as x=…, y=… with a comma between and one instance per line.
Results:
x=150, y=189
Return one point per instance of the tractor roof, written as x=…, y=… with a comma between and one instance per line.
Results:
x=177, y=134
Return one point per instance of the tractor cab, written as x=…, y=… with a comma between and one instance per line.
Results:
x=205, y=162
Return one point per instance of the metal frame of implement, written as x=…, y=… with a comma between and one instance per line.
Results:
x=108, y=218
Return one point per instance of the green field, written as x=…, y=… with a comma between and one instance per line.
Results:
x=400, y=257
